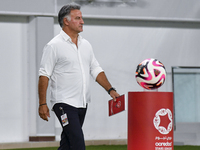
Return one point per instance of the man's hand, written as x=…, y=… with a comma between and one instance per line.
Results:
x=114, y=94
x=42, y=89
x=44, y=112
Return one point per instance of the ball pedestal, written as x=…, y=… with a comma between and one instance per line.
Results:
x=150, y=121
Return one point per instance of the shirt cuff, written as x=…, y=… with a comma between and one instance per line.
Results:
x=43, y=73
x=96, y=72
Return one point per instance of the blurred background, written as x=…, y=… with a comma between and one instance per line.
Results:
x=122, y=33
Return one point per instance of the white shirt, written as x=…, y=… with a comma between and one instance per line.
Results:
x=69, y=69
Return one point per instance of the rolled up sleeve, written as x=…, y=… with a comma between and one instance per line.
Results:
x=47, y=62
x=95, y=68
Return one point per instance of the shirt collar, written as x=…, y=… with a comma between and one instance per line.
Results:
x=67, y=38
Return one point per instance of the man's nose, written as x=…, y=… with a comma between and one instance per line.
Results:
x=82, y=22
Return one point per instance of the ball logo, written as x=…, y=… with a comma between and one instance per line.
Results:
x=157, y=121
x=118, y=105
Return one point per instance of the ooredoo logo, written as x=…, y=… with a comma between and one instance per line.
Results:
x=157, y=121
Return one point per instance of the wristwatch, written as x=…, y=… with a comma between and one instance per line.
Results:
x=112, y=88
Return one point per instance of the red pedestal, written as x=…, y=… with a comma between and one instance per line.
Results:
x=150, y=121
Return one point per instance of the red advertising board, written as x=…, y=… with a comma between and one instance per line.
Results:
x=150, y=121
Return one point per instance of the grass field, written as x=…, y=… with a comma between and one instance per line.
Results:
x=112, y=147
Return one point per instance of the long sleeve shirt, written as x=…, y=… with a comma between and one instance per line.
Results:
x=69, y=68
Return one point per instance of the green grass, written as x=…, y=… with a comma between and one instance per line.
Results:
x=112, y=147
x=107, y=147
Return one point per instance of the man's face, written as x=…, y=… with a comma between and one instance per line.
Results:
x=76, y=22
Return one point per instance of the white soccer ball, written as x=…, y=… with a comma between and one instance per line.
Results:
x=150, y=74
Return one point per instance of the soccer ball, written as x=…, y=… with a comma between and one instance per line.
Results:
x=150, y=74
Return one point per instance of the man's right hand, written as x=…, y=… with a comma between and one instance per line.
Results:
x=42, y=89
x=44, y=112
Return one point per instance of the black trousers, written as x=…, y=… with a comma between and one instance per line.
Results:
x=72, y=137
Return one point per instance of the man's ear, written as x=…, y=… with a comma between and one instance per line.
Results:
x=65, y=21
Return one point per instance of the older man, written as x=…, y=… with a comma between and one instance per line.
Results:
x=68, y=61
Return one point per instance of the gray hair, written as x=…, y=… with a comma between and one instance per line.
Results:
x=65, y=12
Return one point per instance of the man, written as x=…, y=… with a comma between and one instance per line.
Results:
x=68, y=61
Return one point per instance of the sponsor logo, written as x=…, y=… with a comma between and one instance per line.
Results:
x=163, y=148
x=157, y=121
x=163, y=143
x=118, y=105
